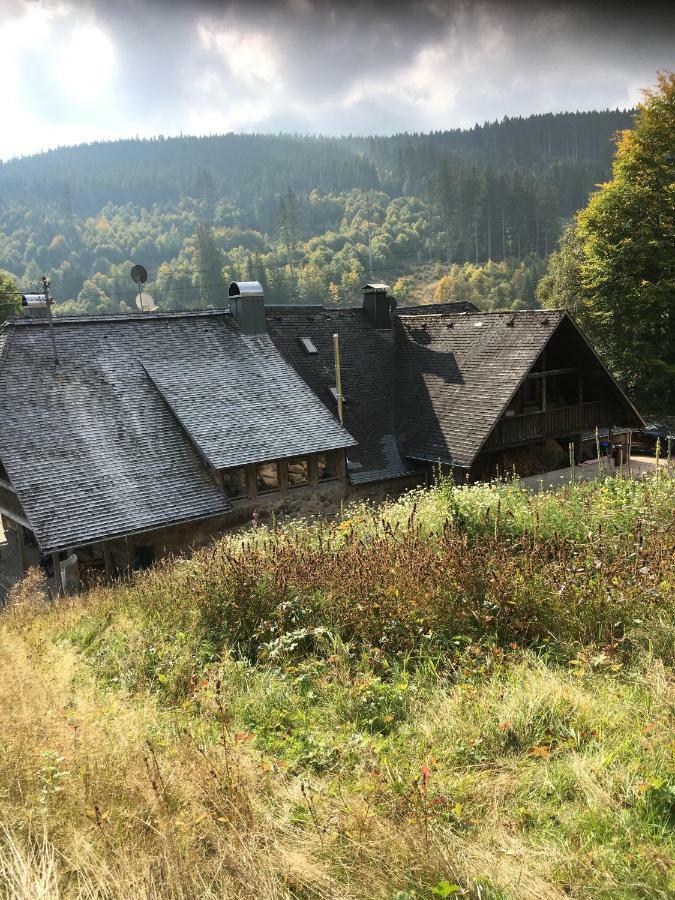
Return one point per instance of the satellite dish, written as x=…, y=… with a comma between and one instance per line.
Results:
x=139, y=274
x=146, y=303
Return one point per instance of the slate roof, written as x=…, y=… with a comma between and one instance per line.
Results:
x=92, y=447
x=240, y=401
x=367, y=364
x=448, y=307
x=455, y=374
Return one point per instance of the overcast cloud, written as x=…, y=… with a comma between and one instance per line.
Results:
x=98, y=69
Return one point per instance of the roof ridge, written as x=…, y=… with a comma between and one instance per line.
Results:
x=478, y=312
x=19, y=321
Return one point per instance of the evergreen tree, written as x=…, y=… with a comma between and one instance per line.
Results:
x=209, y=273
x=289, y=227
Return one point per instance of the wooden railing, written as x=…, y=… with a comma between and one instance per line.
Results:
x=552, y=423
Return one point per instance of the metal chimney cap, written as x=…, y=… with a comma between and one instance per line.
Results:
x=246, y=289
x=375, y=288
x=33, y=300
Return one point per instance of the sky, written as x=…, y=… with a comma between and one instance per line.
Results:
x=72, y=72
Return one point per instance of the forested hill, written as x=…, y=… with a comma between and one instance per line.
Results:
x=160, y=169
x=297, y=212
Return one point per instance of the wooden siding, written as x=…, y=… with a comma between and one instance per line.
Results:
x=552, y=423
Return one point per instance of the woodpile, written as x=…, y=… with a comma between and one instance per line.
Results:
x=298, y=472
x=267, y=476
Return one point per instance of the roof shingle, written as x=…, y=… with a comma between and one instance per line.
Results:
x=367, y=366
x=93, y=447
x=456, y=373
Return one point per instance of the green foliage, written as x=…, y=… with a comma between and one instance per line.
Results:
x=427, y=576
x=504, y=285
x=294, y=213
x=561, y=287
x=285, y=694
x=10, y=301
x=627, y=238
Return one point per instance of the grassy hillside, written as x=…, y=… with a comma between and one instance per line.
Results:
x=468, y=692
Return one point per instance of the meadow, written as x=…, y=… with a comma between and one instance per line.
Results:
x=467, y=692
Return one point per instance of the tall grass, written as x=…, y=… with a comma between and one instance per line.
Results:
x=466, y=692
x=421, y=577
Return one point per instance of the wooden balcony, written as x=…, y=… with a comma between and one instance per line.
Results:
x=566, y=420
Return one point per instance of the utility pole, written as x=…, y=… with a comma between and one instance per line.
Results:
x=48, y=301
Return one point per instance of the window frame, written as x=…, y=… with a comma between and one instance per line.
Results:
x=245, y=483
x=332, y=454
x=308, y=480
x=261, y=492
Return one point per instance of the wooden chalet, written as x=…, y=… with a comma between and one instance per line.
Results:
x=152, y=432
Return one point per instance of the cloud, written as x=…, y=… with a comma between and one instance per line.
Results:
x=88, y=70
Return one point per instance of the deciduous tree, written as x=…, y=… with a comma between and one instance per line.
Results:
x=628, y=238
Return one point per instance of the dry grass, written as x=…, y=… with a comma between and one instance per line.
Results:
x=144, y=756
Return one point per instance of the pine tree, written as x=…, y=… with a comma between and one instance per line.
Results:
x=289, y=227
x=209, y=260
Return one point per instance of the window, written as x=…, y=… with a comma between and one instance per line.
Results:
x=532, y=394
x=267, y=477
x=234, y=483
x=298, y=471
x=308, y=345
x=326, y=466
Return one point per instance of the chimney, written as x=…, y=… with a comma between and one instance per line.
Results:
x=34, y=306
x=247, y=305
x=377, y=305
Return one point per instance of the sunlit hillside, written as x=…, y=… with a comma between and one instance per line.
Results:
x=466, y=692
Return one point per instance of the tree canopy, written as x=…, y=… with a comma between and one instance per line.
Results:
x=10, y=301
x=626, y=264
x=306, y=216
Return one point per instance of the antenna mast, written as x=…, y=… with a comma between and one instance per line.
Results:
x=338, y=377
x=48, y=301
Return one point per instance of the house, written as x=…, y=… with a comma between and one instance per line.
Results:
x=151, y=432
